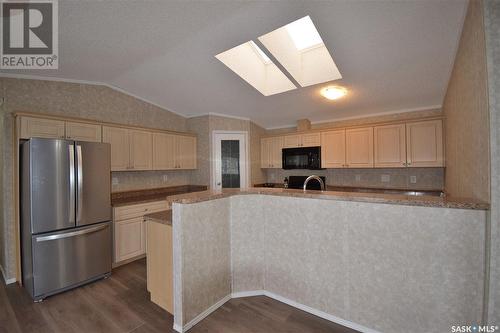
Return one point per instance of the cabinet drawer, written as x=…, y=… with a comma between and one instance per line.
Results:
x=139, y=210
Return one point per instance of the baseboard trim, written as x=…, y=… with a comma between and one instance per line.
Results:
x=202, y=315
x=281, y=299
x=321, y=314
x=7, y=281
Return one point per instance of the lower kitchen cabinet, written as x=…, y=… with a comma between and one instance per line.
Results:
x=129, y=239
x=130, y=230
x=160, y=265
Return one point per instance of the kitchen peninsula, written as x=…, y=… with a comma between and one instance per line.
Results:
x=367, y=254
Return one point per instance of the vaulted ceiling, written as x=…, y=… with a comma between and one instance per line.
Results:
x=393, y=55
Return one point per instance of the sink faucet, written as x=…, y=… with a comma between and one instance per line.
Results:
x=321, y=183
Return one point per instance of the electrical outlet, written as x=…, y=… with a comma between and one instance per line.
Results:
x=358, y=178
x=413, y=179
x=165, y=178
x=114, y=181
x=385, y=178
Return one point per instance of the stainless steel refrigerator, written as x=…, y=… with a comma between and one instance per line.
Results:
x=65, y=214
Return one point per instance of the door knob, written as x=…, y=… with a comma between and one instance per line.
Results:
x=218, y=184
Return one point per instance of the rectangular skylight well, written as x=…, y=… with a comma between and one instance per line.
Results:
x=304, y=33
x=300, y=49
x=261, y=53
x=254, y=66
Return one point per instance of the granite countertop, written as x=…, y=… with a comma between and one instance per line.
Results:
x=395, y=199
x=369, y=189
x=148, y=195
x=163, y=217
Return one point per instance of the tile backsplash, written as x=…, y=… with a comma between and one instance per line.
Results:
x=401, y=178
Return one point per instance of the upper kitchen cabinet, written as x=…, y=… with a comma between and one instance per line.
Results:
x=302, y=140
x=270, y=153
x=83, y=132
x=359, y=147
x=333, y=149
x=424, y=144
x=389, y=146
x=41, y=128
x=141, y=150
x=164, y=151
x=118, y=138
x=33, y=127
x=185, y=152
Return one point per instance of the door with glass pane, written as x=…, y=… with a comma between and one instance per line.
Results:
x=230, y=160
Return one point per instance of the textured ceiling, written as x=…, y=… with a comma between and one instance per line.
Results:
x=393, y=55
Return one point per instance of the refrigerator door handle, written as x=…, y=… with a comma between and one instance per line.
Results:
x=70, y=234
x=79, y=184
x=71, y=149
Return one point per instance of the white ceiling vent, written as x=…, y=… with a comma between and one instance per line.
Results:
x=300, y=49
x=254, y=66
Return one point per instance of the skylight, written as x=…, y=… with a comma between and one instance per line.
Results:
x=254, y=66
x=304, y=33
x=261, y=53
x=300, y=49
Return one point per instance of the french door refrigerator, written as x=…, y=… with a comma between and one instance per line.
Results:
x=65, y=214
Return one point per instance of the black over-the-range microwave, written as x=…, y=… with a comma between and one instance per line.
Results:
x=302, y=158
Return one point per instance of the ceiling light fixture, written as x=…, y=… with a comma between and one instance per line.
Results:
x=333, y=92
x=303, y=33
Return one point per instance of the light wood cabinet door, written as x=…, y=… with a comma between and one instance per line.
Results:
x=333, y=149
x=311, y=140
x=164, y=151
x=118, y=138
x=129, y=238
x=41, y=128
x=275, y=155
x=159, y=257
x=141, y=150
x=359, y=147
x=185, y=152
x=265, y=147
x=291, y=141
x=389, y=146
x=424, y=144
x=83, y=132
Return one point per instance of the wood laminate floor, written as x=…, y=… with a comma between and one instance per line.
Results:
x=121, y=304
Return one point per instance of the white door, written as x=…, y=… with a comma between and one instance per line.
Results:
x=230, y=167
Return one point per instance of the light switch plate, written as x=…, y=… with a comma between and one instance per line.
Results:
x=413, y=179
x=385, y=178
x=165, y=178
x=358, y=178
x=114, y=181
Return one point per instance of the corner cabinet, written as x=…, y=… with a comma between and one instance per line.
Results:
x=424, y=144
x=270, y=153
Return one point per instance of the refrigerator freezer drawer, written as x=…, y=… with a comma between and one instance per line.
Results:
x=67, y=259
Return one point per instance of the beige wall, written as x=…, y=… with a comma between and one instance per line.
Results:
x=74, y=100
x=492, y=30
x=466, y=110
